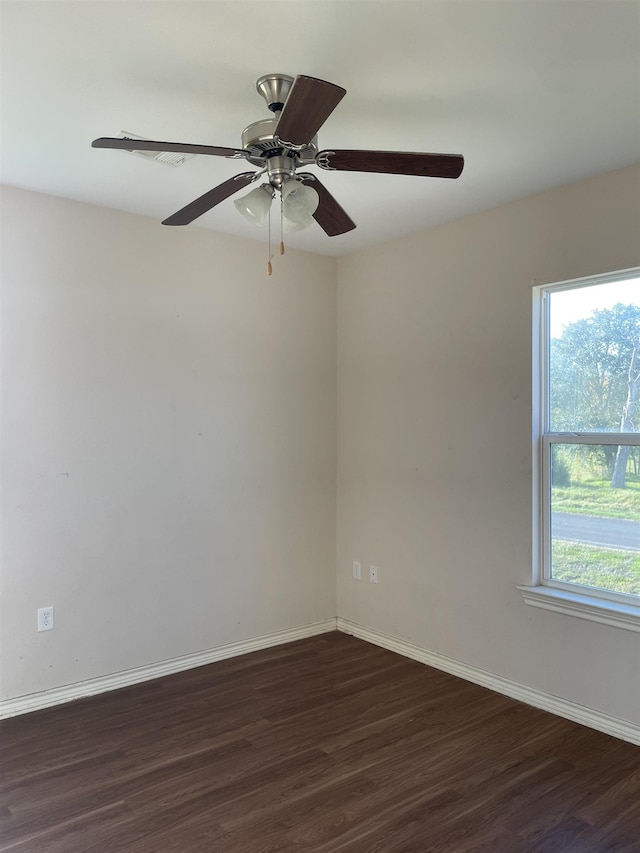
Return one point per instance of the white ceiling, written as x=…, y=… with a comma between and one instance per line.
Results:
x=534, y=93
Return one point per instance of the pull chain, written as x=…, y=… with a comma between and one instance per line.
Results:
x=281, y=224
x=269, y=267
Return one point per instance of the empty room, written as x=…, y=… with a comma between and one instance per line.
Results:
x=320, y=426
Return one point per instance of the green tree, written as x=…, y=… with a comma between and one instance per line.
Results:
x=627, y=422
x=593, y=367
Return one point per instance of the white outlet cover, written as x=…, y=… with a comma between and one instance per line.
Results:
x=373, y=574
x=45, y=619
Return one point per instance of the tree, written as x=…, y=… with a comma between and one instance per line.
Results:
x=594, y=379
x=619, y=478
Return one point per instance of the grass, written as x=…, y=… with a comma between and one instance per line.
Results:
x=603, y=568
x=596, y=497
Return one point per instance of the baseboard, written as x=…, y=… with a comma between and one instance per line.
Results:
x=530, y=696
x=102, y=684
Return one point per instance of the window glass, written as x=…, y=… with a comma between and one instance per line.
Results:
x=590, y=395
x=595, y=529
x=594, y=343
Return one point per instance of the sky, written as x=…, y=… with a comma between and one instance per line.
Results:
x=567, y=306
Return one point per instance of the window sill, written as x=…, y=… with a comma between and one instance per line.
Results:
x=625, y=616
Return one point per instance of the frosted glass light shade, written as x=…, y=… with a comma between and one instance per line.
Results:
x=299, y=203
x=255, y=205
x=289, y=225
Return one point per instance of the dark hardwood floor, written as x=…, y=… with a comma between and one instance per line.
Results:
x=324, y=745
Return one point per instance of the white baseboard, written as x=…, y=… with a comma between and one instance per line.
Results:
x=58, y=695
x=530, y=696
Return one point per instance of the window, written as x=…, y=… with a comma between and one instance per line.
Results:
x=587, y=448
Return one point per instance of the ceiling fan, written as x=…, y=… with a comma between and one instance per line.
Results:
x=281, y=146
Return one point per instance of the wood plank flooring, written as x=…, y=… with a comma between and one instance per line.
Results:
x=325, y=745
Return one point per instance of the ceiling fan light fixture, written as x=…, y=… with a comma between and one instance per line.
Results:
x=255, y=205
x=290, y=225
x=299, y=203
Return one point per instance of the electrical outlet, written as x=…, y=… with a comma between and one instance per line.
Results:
x=357, y=570
x=373, y=574
x=45, y=619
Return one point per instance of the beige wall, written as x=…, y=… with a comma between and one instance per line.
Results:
x=434, y=438
x=168, y=441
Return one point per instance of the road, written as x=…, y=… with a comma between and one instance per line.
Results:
x=595, y=530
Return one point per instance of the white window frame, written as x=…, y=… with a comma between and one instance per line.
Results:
x=546, y=592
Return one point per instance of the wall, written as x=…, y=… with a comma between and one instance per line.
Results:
x=169, y=440
x=168, y=445
x=434, y=438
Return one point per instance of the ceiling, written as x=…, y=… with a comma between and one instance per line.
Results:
x=534, y=93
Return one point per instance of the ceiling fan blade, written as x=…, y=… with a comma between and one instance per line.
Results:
x=178, y=147
x=393, y=163
x=309, y=104
x=201, y=205
x=332, y=218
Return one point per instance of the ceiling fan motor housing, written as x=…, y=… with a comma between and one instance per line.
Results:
x=274, y=88
x=260, y=141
